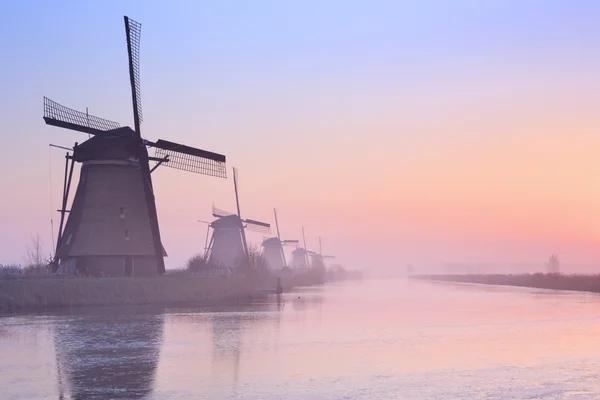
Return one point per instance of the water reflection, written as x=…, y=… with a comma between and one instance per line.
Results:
x=377, y=339
x=110, y=354
x=239, y=330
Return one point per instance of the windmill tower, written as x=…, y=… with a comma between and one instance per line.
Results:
x=273, y=248
x=318, y=259
x=228, y=244
x=300, y=256
x=112, y=226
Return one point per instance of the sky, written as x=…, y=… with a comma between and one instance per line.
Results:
x=401, y=132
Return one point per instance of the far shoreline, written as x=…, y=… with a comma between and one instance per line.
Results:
x=584, y=283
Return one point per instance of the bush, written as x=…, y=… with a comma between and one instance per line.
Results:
x=196, y=263
x=10, y=271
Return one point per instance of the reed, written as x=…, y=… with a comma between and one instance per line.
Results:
x=74, y=292
x=574, y=282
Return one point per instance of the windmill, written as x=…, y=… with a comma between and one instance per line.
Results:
x=318, y=259
x=300, y=255
x=112, y=228
x=228, y=242
x=273, y=248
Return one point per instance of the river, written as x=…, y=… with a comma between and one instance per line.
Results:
x=375, y=339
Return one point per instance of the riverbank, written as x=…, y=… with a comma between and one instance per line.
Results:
x=55, y=292
x=579, y=283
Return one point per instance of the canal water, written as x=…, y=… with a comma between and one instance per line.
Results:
x=375, y=339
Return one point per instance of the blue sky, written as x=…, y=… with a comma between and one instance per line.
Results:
x=328, y=108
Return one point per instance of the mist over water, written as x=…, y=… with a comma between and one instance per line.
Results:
x=376, y=339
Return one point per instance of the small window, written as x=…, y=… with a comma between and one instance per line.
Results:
x=126, y=235
x=122, y=213
x=69, y=238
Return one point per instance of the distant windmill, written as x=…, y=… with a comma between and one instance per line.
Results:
x=553, y=264
x=112, y=228
x=273, y=248
x=300, y=255
x=318, y=260
x=228, y=242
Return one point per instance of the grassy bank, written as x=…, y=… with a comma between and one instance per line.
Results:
x=580, y=283
x=75, y=292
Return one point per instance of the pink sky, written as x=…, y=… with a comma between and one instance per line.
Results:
x=452, y=153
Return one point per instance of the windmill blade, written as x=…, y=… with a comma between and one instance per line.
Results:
x=64, y=117
x=133, y=32
x=218, y=213
x=254, y=222
x=312, y=253
x=190, y=159
x=276, y=223
x=258, y=229
x=284, y=242
x=329, y=257
x=257, y=226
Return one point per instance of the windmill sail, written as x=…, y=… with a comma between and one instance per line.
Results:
x=218, y=213
x=190, y=159
x=133, y=31
x=257, y=226
x=64, y=117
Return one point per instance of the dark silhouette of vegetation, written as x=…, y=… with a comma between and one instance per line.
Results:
x=339, y=273
x=255, y=266
x=34, y=256
x=196, y=263
x=36, y=263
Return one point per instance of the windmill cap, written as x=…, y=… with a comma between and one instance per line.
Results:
x=118, y=143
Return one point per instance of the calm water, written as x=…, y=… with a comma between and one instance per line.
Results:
x=391, y=339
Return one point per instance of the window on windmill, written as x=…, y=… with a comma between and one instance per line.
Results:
x=126, y=235
x=69, y=239
x=122, y=214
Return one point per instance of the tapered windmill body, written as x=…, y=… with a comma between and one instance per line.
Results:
x=112, y=227
x=273, y=249
x=228, y=245
x=300, y=256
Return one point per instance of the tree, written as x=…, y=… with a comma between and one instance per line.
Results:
x=34, y=256
x=553, y=264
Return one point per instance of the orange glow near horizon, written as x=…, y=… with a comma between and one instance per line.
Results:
x=398, y=142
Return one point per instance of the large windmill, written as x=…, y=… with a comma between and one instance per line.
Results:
x=112, y=228
x=300, y=256
x=228, y=244
x=273, y=248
